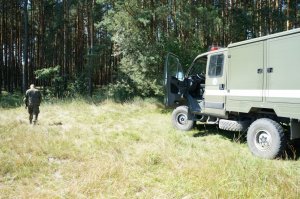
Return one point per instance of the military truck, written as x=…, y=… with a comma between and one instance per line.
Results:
x=252, y=86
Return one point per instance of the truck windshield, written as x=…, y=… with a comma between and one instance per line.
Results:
x=198, y=66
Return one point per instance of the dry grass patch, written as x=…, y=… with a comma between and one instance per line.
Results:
x=109, y=150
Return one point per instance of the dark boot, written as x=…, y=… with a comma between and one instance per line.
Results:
x=30, y=118
x=35, y=119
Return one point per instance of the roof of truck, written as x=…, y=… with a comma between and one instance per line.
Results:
x=289, y=32
x=211, y=52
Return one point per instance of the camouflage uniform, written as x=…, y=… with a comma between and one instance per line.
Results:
x=32, y=100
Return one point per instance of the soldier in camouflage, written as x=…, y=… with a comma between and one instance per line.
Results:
x=32, y=101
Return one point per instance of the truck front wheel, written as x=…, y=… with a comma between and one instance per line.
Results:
x=180, y=119
x=266, y=139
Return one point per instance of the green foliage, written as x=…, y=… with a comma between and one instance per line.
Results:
x=79, y=86
x=140, y=66
x=51, y=74
x=141, y=71
x=185, y=51
x=8, y=100
x=120, y=91
x=141, y=37
x=125, y=41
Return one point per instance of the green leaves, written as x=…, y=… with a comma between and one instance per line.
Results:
x=47, y=73
x=144, y=21
x=51, y=74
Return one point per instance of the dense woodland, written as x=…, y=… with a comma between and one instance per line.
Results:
x=76, y=46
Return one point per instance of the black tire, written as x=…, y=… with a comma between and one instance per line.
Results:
x=180, y=119
x=232, y=125
x=266, y=139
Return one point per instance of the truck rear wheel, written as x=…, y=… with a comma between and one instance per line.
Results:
x=180, y=119
x=266, y=138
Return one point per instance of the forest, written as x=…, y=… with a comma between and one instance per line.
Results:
x=71, y=47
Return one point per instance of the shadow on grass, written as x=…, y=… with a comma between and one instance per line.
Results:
x=292, y=151
x=205, y=130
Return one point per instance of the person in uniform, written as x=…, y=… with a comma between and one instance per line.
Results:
x=32, y=101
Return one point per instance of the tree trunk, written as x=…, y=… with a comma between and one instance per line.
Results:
x=25, y=48
x=1, y=48
x=90, y=46
x=65, y=42
x=288, y=15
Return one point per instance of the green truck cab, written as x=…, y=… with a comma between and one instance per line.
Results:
x=252, y=85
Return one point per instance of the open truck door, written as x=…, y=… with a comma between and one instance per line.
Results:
x=173, y=80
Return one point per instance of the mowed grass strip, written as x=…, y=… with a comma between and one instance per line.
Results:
x=130, y=150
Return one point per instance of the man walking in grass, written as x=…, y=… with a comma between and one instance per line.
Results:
x=32, y=101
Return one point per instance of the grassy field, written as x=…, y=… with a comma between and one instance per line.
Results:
x=109, y=150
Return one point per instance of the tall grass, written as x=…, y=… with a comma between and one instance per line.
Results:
x=130, y=150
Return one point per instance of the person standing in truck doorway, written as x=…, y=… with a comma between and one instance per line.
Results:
x=32, y=101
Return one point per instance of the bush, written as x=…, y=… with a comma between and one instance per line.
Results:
x=51, y=74
x=8, y=100
x=120, y=91
x=78, y=87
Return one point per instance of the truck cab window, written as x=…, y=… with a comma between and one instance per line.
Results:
x=198, y=67
x=216, y=65
x=196, y=77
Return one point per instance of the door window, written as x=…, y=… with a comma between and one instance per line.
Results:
x=173, y=67
x=198, y=66
x=216, y=65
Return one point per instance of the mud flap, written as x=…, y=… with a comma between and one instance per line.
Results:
x=295, y=129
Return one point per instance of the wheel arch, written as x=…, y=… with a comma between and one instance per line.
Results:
x=262, y=111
